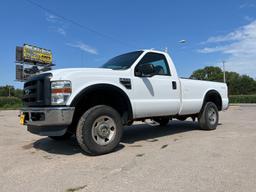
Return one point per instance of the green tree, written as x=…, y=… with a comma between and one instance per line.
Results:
x=208, y=73
x=18, y=93
x=237, y=84
x=233, y=80
x=247, y=85
x=9, y=90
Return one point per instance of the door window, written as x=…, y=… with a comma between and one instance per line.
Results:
x=158, y=61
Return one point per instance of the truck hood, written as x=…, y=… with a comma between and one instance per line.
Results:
x=69, y=73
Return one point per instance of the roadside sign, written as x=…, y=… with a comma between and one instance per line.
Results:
x=36, y=54
x=31, y=60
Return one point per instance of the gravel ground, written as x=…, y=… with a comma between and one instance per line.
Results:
x=177, y=157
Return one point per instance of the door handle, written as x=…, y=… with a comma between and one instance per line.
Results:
x=174, y=85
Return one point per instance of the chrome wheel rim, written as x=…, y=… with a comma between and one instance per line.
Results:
x=103, y=130
x=212, y=116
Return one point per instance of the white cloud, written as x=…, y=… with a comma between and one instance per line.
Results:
x=83, y=47
x=247, y=5
x=56, y=23
x=239, y=46
x=248, y=18
x=51, y=18
x=211, y=49
x=241, y=33
x=61, y=31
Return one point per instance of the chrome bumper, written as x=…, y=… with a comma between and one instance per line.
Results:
x=50, y=121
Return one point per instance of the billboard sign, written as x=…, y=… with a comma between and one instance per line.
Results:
x=24, y=72
x=19, y=72
x=35, y=54
x=32, y=60
x=19, y=54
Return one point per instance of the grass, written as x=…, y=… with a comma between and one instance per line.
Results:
x=242, y=99
x=10, y=103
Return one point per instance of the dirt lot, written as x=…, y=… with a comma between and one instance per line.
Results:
x=178, y=157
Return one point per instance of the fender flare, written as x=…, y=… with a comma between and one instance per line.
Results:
x=214, y=92
x=91, y=88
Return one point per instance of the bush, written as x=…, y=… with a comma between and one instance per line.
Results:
x=10, y=103
x=242, y=99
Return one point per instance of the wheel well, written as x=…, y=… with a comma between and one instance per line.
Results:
x=214, y=97
x=102, y=94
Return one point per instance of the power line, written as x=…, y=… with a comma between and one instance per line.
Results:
x=80, y=25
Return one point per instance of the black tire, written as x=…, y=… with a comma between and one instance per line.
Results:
x=207, y=121
x=162, y=120
x=66, y=136
x=85, y=130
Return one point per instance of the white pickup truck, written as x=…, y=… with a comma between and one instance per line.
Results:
x=95, y=103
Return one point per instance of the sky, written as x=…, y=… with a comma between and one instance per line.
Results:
x=85, y=33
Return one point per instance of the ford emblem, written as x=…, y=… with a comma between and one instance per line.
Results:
x=27, y=91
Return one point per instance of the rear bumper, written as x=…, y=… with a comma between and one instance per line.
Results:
x=50, y=121
x=225, y=104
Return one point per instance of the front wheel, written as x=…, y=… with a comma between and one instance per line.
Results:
x=99, y=130
x=209, y=117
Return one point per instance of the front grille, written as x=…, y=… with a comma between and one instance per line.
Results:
x=37, y=91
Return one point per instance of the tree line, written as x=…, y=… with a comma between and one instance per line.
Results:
x=237, y=84
x=10, y=91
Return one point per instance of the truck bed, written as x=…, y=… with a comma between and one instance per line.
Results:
x=192, y=92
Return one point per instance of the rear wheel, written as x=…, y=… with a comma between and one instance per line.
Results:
x=99, y=130
x=209, y=117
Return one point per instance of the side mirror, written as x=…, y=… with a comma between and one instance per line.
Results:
x=145, y=70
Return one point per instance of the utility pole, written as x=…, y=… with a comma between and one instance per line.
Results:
x=9, y=91
x=224, y=72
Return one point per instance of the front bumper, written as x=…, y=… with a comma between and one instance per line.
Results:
x=50, y=121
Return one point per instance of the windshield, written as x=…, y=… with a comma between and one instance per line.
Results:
x=122, y=61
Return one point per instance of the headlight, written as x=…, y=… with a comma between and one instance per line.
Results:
x=61, y=90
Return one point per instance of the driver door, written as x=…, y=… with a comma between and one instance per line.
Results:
x=156, y=94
